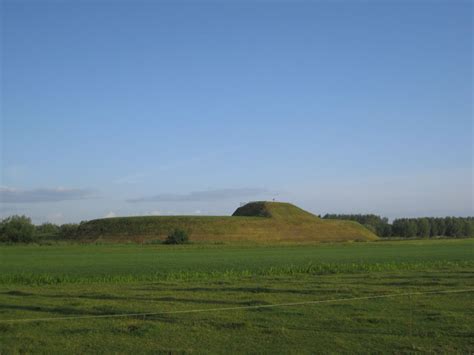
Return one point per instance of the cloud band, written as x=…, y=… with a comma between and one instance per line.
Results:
x=13, y=195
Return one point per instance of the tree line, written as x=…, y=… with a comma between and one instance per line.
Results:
x=20, y=229
x=424, y=227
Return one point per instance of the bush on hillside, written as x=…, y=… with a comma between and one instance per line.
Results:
x=177, y=236
x=17, y=229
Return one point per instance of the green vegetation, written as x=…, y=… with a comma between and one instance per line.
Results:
x=111, y=279
x=89, y=262
x=453, y=227
x=17, y=229
x=260, y=222
x=47, y=230
x=425, y=227
x=177, y=236
x=256, y=222
x=67, y=231
x=214, y=295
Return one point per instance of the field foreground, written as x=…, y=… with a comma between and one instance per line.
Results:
x=219, y=298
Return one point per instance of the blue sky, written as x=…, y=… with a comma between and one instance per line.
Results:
x=141, y=107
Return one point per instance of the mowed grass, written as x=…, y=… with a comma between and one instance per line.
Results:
x=229, y=282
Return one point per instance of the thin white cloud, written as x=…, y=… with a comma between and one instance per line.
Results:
x=110, y=215
x=130, y=179
x=14, y=195
x=208, y=195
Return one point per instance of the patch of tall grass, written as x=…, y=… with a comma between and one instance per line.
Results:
x=33, y=279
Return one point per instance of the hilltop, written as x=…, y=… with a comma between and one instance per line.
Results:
x=254, y=222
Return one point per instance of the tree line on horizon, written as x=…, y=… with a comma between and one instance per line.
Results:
x=422, y=227
x=20, y=229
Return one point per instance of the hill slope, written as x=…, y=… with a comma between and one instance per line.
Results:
x=256, y=222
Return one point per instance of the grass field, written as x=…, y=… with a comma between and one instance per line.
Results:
x=209, y=298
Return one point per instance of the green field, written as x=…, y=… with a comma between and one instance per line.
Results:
x=218, y=298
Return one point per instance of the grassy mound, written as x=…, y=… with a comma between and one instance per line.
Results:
x=277, y=210
x=254, y=222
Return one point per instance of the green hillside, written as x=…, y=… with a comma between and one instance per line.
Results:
x=275, y=210
x=255, y=222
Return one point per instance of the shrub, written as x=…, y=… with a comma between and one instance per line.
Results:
x=177, y=236
x=68, y=230
x=47, y=230
x=17, y=229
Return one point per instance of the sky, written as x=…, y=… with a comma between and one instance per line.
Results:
x=120, y=108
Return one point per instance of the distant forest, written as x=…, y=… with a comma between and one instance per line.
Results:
x=425, y=227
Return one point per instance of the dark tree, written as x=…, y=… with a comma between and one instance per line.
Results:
x=423, y=227
x=17, y=229
x=47, y=230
